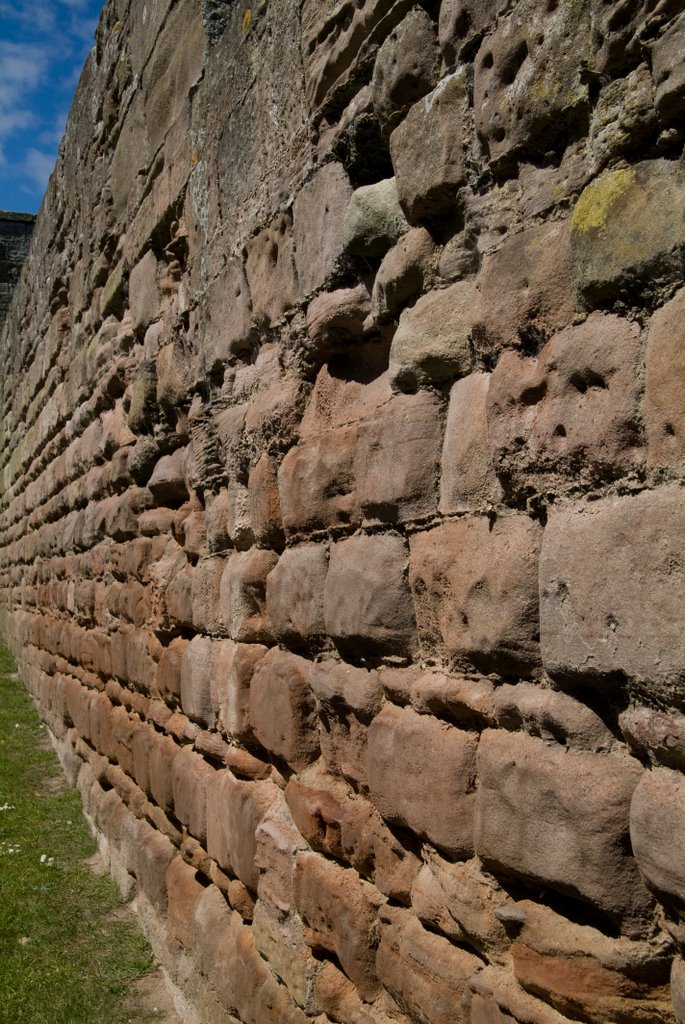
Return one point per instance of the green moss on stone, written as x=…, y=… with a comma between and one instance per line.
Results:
x=596, y=200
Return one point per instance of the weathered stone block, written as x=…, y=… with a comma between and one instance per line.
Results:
x=341, y=912
x=367, y=603
x=294, y=595
x=668, y=68
x=628, y=233
x=405, y=69
x=429, y=150
x=235, y=811
x=270, y=268
x=196, y=678
x=168, y=481
x=143, y=293
x=184, y=892
x=468, y=473
x=405, y=749
x=335, y=320
x=572, y=413
x=665, y=377
x=396, y=459
x=229, y=315
x=528, y=86
x=264, y=504
x=373, y=219
x=526, y=287
x=475, y=590
x=191, y=775
x=318, y=213
x=403, y=274
x=657, y=831
x=425, y=973
x=316, y=482
x=232, y=669
x=243, y=596
x=432, y=343
x=282, y=708
x=533, y=820
x=592, y=629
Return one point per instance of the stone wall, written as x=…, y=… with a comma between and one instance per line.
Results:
x=342, y=514
x=15, y=235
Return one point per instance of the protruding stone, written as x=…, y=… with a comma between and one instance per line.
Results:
x=373, y=220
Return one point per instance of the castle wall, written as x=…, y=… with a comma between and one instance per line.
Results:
x=15, y=235
x=342, y=445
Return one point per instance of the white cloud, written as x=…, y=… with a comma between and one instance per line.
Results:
x=38, y=167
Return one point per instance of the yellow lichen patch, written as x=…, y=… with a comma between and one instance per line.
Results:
x=194, y=159
x=247, y=19
x=592, y=208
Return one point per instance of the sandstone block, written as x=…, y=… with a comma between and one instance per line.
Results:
x=572, y=413
x=405, y=69
x=406, y=749
x=396, y=459
x=196, y=678
x=190, y=777
x=243, y=596
x=528, y=87
x=460, y=901
x=551, y=716
x=656, y=736
x=153, y=855
x=335, y=320
x=665, y=374
x=168, y=480
x=678, y=988
x=533, y=820
x=592, y=629
x=475, y=590
x=657, y=831
x=232, y=669
x=318, y=214
x=236, y=809
x=432, y=343
x=461, y=23
x=403, y=274
x=425, y=973
x=184, y=892
x=467, y=466
x=349, y=697
x=526, y=288
x=143, y=293
x=277, y=844
x=282, y=708
x=429, y=150
x=229, y=310
x=584, y=973
x=341, y=912
x=294, y=595
x=161, y=758
x=174, y=377
x=264, y=504
x=271, y=272
x=668, y=68
x=280, y=940
x=367, y=603
x=316, y=482
x=373, y=220
x=205, y=594
x=628, y=233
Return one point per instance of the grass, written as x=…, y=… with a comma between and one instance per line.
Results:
x=66, y=954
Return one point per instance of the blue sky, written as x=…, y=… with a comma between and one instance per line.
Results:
x=43, y=44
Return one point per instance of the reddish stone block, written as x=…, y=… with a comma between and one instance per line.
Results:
x=232, y=668
x=316, y=483
x=657, y=832
x=367, y=603
x=184, y=892
x=468, y=476
x=196, y=681
x=318, y=213
x=592, y=628
x=340, y=911
x=282, y=708
x=294, y=595
x=205, y=594
x=243, y=596
x=572, y=413
x=160, y=762
x=665, y=379
x=425, y=973
x=405, y=749
x=168, y=481
x=168, y=681
x=153, y=855
x=475, y=589
x=535, y=821
x=265, y=504
x=191, y=775
x=270, y=268
x=348, y=697
x=396, y=459
x=235, y=810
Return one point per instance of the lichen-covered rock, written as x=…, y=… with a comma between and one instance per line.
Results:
x=373, y=219
x=628, y=233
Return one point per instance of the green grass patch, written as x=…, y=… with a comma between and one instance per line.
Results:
x=66, y=956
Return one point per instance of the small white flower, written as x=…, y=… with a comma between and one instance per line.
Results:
x=43, y=858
